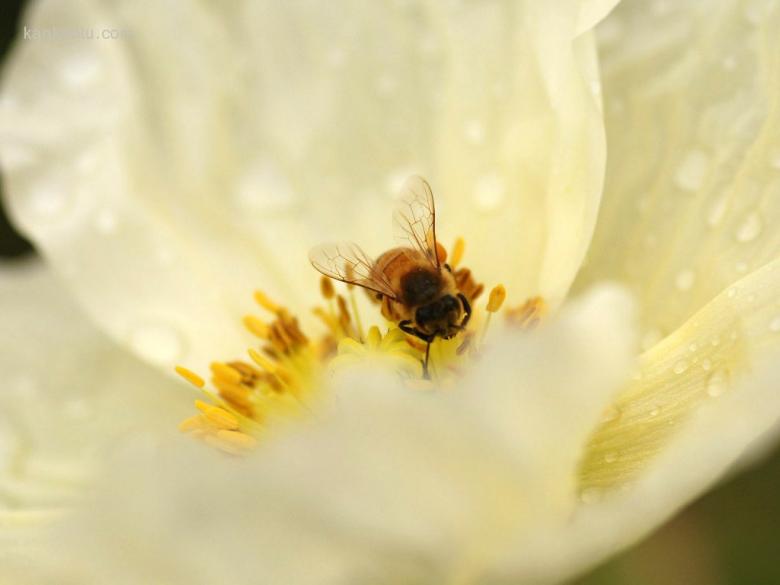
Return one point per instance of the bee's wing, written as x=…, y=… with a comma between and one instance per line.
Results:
x=348, y=263
x=414, y=218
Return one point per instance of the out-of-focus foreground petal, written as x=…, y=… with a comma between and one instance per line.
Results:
x=385, y=485
x=692, y=196
x=67, y=392
x=199, y=155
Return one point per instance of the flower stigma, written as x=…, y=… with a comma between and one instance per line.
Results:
x=282, y=374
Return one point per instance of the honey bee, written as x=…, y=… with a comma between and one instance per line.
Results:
x=415, y=286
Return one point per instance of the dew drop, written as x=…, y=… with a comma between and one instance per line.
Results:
x=684, y=280
x=716, y=383
x=717, y=211
x=80, y=69
x=693, y=346
x=749, y=229
x=654, y=411
x=680, y=367
x=264, y=189
x=489, y=192
x=157, y=342
x=386, y=84
x=47, y=199
x=692, y=170
x=730, y=63
x=105, y=222
x=774, y=324
x=474, y=131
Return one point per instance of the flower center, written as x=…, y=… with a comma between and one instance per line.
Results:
x=283, y=372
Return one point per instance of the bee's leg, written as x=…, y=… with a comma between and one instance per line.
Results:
x=426, y=374
x=406, y=327
x=466, y=309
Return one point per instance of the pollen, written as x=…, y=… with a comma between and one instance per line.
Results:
x=285, y=368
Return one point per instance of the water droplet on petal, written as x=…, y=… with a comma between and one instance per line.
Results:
x=474, y=131
x=684, y=280
x=717, y=383
x=264, y=189
x=80, y=69
x=717, y=211
x=749, y=229
x=105, y=222
x=692, y=170
x=654, y=411
x=489, y=192
x=157, y=342
x=680, y=367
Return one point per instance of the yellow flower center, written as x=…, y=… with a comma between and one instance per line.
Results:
x=283, y=371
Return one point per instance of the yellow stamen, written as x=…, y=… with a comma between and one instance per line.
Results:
x=225, y=372
x=326, y=287
x=190, y=424
x=237, y=438
x=497, y=298
x=256, y=327
x=262, y=299
x=441, y=253
x=528, y=315
x=457, y=253
x=219, y=417
x=190, y=376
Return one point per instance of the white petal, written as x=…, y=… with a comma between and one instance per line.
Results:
x=592, y=12
x=692, y=199
x=67, y=392
x=170, y=171
x=387, y=484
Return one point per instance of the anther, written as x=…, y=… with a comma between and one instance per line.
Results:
x=326, y=288
x=497, y=298
x=190, y=376
x=457, y=252
x=256, y=327
x=262, y=299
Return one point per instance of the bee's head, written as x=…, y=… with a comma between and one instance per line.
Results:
x=441, y=317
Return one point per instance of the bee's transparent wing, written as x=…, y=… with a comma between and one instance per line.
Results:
x=414, y=218
x=348, y=263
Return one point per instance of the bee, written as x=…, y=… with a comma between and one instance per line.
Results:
x=415, y=286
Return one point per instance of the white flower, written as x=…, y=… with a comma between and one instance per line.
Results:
x=167, y=174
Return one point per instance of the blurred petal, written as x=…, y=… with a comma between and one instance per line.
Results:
x=386, y=484
x=711, y=355
x=592, y=12
x=692, y=199
x=67, y=392
x=168, y=172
